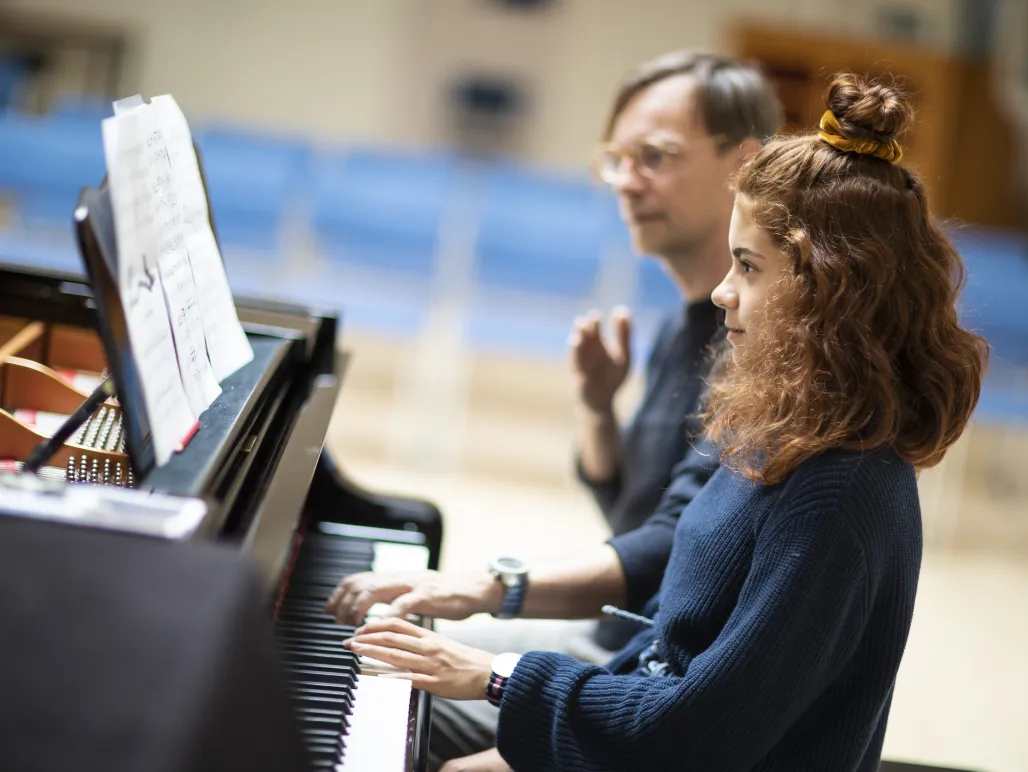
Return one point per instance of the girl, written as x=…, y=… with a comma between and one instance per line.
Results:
x=785, y=605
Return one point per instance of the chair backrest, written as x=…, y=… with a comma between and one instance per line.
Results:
x=372, y=193
x=45, y=164
x=37, y=153
x=539, y=232
x=995, y=297
x=71, y=108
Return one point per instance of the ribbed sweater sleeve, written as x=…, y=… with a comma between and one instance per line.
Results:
x=644, y=552
x=796, y=622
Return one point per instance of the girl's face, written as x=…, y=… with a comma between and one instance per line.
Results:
x=756, y=264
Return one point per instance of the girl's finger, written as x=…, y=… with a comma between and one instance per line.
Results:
x=390, y=640
x=392, y=624
x=395, y=657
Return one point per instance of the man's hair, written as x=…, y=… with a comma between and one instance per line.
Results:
x=733, y=98
x=859, y=344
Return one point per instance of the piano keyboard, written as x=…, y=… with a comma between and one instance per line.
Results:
x=350, y=721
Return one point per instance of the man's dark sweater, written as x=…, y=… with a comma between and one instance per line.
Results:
x=659, y=437
x=782, y=614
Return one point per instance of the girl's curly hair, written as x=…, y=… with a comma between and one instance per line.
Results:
x=861, y=345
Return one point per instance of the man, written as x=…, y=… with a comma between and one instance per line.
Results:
x=679, y=128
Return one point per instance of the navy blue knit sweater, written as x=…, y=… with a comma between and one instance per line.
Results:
x=783, y=615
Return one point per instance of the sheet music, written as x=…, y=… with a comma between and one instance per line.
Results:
x=227, y=343
x=198, y=377
x=146, y=313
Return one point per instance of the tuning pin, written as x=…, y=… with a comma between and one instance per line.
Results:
x=90, y=437
x=115, y=437
x=83, y=432
x=69, y=473
x=131, y=481
x=105, y=430
x=83, y=475
x=94, y=475
x=119, y=478
x=107, y=472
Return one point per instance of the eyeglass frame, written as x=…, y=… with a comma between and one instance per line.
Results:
x=668, y=147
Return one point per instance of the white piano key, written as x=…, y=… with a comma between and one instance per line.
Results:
x=377, y=741
x=390, y=556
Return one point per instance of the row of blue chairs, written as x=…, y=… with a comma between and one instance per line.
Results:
x=389, y=211
x=536, y=231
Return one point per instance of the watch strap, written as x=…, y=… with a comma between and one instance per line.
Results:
x=494, y=691
x=513, y=599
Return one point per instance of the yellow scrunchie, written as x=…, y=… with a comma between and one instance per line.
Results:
x=831, y=133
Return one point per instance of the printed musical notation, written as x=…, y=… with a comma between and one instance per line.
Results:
x=177, y=299
x=227, y=344
x=146, y=317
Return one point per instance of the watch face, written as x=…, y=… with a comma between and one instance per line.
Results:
x=504, y=664
x=508, y=564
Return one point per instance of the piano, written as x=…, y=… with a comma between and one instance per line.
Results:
x=270, y=489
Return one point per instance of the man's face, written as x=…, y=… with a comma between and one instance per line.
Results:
x=673, y=193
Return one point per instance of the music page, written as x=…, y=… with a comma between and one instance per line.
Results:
x=227, y=344
x=139, y=282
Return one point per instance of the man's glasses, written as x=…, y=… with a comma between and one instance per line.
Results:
x=646, y=158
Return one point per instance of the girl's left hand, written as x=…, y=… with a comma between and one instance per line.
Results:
x=437, y=665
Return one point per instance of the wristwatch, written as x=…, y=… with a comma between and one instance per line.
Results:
x=513, y=573
x=503, y=667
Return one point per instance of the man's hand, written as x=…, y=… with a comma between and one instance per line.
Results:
x=428, y=593
x=600, y=370
x=436, y=664
x=486, y=761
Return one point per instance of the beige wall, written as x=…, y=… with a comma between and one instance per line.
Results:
x=344, y=70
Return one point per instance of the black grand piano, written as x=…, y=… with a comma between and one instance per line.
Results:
x=268, y=490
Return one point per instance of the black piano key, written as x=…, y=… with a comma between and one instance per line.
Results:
x=300, y=669
x=328, y=689
x=301, y=664
x=320, y=697
x=301, y=646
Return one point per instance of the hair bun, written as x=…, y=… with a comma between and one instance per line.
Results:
x=868, y=109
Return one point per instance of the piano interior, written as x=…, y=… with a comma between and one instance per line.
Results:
x=271, y=490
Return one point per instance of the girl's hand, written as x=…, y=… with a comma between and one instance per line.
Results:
x=436, y=664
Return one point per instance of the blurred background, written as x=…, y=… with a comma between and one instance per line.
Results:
x=422, y=167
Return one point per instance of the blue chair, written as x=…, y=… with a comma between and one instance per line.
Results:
x=13, y=74
x=382, y=210
x=996, y=296
x=14, y=248
x=79, y=108
x=539, y=233
x=368, y=305
x=251, y=180
x=377, y=217
x=295, y=151
x=45, y=166
x=539, y=247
